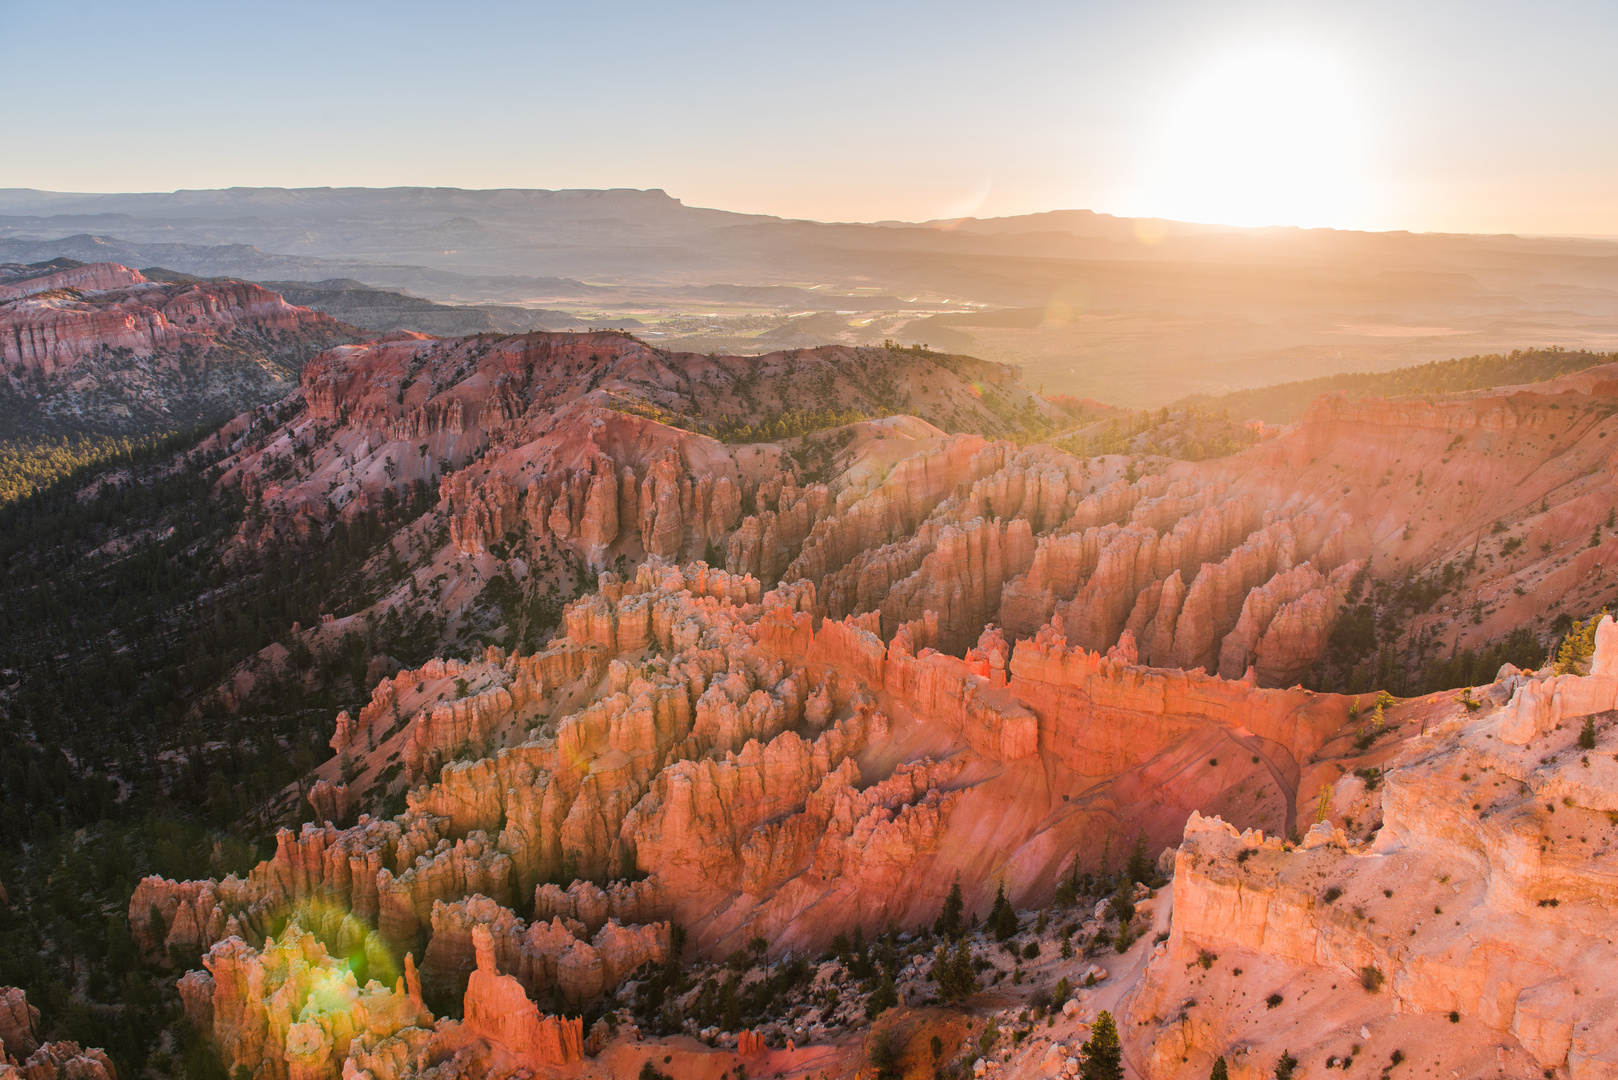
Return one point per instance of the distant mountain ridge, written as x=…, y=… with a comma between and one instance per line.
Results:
x=1135, y=311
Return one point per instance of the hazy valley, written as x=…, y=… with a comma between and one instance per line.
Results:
x=1137, y=312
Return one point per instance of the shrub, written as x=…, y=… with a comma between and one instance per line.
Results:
x=1286, y=1066
x=1371, y=979
x=1587, y=735
x=1031, y=950
x=883, y=998
x=1273, y=1000
x=1206, y=958
x=1331, y=894
x=886, y=1054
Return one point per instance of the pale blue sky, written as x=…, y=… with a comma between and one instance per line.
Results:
x=1477, y=116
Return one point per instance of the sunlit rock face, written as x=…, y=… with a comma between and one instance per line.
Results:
x=1478, y=915
x=734, y=771
x=955, y=658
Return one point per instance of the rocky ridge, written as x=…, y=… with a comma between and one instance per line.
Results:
x=1469, y=930
x=99, y=347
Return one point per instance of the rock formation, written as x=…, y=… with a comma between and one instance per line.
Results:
x=83, y=337
x=1479, y=903
x=954, y=658
x=25, y=1056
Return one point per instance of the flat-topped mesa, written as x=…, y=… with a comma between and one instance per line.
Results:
x=96, y=277
x=1489, y=410
x=53, y=331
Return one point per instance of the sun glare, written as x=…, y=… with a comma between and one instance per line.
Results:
x=1267, y=136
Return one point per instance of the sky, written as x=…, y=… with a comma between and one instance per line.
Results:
x=1474, y=116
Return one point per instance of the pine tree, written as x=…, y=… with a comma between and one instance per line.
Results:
x=864, y=956
x=1139, y=867
x=1122, y=905
x=1578, y=645
x=730, y=1006
x=953, y=972
x=949, y=919
x=1587, y=735
x=1219, y=1071
x=1002, y=917
x=999, y=903
x=1102, y=1056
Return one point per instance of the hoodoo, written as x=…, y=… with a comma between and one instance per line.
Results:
x=787, y=710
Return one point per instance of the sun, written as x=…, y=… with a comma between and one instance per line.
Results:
x=1270, y=135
